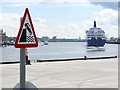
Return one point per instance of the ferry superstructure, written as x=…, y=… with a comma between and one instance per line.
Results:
x=95, y=36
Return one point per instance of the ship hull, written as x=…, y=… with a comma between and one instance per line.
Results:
x=96, y=43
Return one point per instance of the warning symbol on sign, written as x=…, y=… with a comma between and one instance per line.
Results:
x=26, y=36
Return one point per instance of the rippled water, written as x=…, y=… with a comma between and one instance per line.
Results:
x=56, y=50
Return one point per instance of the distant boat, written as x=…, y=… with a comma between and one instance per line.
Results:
x=95, y=37
x=46, y=43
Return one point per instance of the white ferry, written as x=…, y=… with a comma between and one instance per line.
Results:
x=95, y=37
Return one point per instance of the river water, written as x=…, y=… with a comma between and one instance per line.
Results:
x=58, y=50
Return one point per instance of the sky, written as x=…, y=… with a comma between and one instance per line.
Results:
x=61, y=18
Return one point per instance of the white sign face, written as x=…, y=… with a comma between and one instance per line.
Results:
x=26, y=36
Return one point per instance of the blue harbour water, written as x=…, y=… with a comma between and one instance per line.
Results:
x=58, y=50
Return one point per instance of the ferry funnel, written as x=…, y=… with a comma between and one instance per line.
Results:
x=94, y=24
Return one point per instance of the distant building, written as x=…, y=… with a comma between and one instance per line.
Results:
x=79, y=38
x=112, y=39
x=3, y=37
x=119, y=38
x=45, y=38
x=54, y=38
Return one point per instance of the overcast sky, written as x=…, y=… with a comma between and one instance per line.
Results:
x=61, y=18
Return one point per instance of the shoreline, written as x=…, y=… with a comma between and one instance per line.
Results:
x=69, y=59
x=107, y=42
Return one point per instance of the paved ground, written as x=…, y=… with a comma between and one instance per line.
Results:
x=67, y=74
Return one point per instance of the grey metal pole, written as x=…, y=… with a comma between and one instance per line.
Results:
x=22, y=64
x=22, y=67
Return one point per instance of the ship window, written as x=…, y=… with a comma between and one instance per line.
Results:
x=93, y=38
x=99, y=38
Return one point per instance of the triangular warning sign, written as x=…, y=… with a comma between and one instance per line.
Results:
x=26, y=36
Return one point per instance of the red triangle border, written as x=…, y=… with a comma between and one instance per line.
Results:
x=20, y=31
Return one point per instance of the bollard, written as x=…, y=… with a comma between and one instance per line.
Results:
x=85, y=57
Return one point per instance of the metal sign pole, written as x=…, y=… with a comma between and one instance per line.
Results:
x=22, y=67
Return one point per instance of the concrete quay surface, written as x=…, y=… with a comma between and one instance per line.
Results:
x=65, y=74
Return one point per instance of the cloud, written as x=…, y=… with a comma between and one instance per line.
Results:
x=43, y=20
x=40, y=26
x=106, y=16
x=45, y=1
x=18, y=5
x=106, y=19
x=75, y=30
x=112, y=5
x=71, y=30
x=10, y=22
x=24, y=3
